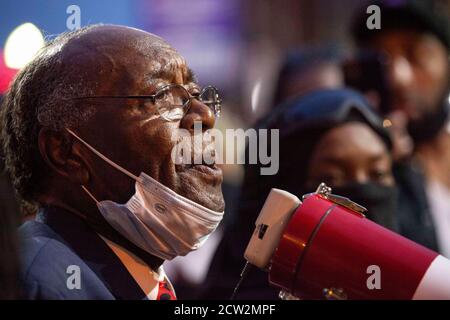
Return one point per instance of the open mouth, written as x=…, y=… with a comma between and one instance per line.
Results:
x=210, y=172
x=201, y=160
x=206, y=168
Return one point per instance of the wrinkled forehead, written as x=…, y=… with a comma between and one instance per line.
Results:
x=124, y=60
x=161, y=62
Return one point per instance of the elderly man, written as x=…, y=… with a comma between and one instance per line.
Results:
x=88, y=129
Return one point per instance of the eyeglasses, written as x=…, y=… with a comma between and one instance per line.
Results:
x=173, y=101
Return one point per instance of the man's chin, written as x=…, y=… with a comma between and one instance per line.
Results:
x=213, y=202
x=202, y=186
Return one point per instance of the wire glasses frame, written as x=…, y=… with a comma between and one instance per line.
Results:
x=174, y=100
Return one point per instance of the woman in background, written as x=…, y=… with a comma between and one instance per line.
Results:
x=330, y=136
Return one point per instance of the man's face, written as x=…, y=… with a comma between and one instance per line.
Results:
x=418, y=70
x=132, y=133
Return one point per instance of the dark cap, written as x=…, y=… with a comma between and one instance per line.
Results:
x=423, y=15
x=322, y=110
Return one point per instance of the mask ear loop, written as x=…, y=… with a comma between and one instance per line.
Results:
x=110, y=162
x=89, y=194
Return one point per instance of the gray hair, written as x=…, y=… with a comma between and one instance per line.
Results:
x=40, y=96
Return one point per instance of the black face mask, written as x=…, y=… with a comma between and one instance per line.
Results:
x=379, y=200
x=429, y=125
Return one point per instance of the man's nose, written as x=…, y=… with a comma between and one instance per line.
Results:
x=198, y=112
x=401, y=73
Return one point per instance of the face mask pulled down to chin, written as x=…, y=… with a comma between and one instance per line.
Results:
x=157, y=219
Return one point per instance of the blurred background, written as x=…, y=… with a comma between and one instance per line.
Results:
x=237, y=45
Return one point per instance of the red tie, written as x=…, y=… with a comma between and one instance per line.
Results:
x=165, y=292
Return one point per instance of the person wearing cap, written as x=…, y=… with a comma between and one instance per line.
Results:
x=330, y=136
x=413, y=43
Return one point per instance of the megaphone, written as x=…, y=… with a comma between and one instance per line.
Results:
x=324, y=247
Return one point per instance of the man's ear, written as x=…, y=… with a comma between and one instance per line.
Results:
x=62, y=155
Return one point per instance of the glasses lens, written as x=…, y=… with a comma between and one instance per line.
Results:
x=171, y=102
x=174, y=95
x=210, y=97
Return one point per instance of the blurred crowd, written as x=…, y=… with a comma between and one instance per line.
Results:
x=371, y=122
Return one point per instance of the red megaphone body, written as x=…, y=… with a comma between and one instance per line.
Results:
x=325, y=248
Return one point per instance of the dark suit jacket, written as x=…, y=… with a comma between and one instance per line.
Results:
x=57, y=240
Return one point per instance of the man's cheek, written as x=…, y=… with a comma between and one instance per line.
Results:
x=179, y=147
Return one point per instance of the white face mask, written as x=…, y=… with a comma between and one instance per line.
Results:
x=157, y=219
